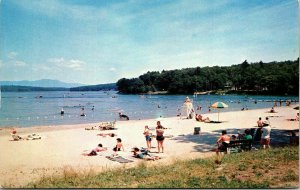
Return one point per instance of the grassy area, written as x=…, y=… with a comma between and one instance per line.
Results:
x=274, y=168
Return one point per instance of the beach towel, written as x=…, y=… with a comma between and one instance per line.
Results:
x=119, y=159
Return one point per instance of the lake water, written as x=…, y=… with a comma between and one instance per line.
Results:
x=43, y=108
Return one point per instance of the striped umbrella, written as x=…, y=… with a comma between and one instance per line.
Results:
x=219, y=105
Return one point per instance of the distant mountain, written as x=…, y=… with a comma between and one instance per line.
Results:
x=40, y=83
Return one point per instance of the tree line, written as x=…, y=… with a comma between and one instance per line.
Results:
x=98, y=87
x=17, y=88
x=277, y=78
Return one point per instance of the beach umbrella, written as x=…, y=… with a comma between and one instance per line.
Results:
x=219, y=105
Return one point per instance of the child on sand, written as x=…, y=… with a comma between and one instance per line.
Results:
x=147, y=136
x=119, y=145
x=15, y=136
x=107, y=134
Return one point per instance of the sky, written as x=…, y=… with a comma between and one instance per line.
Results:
x=100, y=41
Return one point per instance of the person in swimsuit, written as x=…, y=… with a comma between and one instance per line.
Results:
x=119, y=145
x=223, y=142
x=143, y=155
x=99, y=148
x=147, y=136
x=160, y=137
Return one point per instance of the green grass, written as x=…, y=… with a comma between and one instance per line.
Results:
x=272, y=168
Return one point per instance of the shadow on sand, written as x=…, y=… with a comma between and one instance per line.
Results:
x=206, y=142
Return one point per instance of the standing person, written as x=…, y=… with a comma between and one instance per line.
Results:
x=265, y=138
x=82, y=112
x=147, y=136
x=62, y=112
x=223, y=142
x=260, y=124
x=160, y=137
x=266, y=122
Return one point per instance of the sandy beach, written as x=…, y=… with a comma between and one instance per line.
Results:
x=61, y=147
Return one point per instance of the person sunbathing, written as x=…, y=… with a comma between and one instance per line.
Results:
x=199, y=117
x=296, y=119
x=33, y=137
x=91, y=128
x=119, y=145
x=15, y=136
x=99, y=148
x=143, y=155
x=107, y=134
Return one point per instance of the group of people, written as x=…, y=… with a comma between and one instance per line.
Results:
x=138, y=153
x=159, y=137
x=100, y=148
x=264, y=131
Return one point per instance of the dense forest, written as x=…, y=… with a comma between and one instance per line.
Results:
x=109, y=86
x=12, y=88
x=16, y=88
x=278, y=78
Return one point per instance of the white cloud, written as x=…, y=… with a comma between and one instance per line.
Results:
x=112, y=69
x=56, y=60
x=12, y=55
x=19, y=63
x=69, y=64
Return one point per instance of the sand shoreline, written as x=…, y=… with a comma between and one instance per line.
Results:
x=61, y=146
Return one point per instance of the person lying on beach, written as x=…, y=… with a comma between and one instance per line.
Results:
x=296, y=119
x=90, y=128
x=15, y=136
x=143, y=155
x=107, y=134
x=99, y=148
x=199, y=117
x=33, y=137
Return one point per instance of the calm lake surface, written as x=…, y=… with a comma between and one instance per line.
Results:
x=43, y=108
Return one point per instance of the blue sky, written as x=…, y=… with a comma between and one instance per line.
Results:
x=99, y=41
